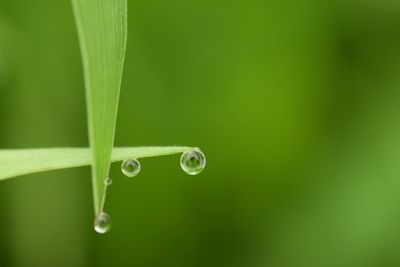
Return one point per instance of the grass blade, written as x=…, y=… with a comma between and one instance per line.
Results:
x=102, y=30
x=19, y=162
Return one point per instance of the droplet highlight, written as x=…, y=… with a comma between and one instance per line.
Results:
x=193, y=162
x=102, y=223
x=130, y=167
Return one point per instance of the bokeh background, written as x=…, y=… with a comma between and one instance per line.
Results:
x=295, y=103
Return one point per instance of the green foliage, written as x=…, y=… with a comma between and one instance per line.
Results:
x=102, y=29
x=25, y=161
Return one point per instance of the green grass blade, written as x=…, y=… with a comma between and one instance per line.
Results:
x=19, y=162
x=102, y=30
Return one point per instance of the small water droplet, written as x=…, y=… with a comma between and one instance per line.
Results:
x=130, y=167
x=193, y=162
x=102, y=223
x=108, y=181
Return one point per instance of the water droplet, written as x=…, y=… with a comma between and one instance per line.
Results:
x=130, y=167
x=108, y=181
x=102, y=223
x=193, y=162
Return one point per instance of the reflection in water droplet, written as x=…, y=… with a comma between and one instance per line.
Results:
x=102, y=223
x=193, y=162
x=108, y=181
x=130, y=167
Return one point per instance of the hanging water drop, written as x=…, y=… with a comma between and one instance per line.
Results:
x=102, y=223
x=108, y=181
x=193, y=162
x=130, y=167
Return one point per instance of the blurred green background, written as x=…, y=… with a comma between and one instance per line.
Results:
x=295, y=103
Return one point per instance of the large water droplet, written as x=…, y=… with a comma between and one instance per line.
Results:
x=193, y=162
x=130, y=167
x=102, y=223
